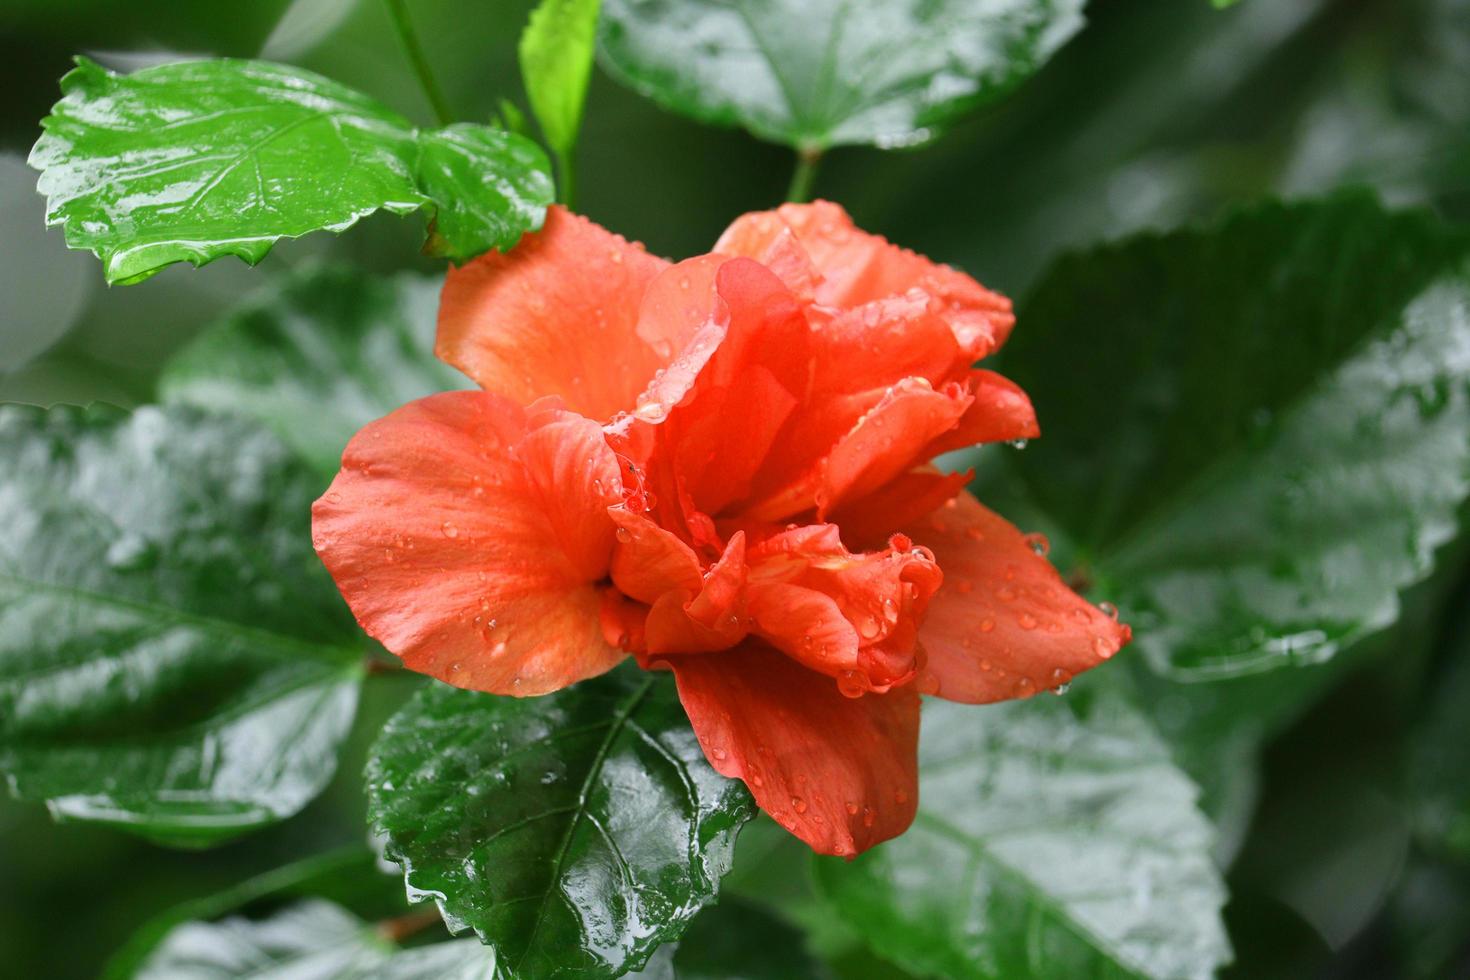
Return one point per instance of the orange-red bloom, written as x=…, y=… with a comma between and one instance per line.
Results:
x=721, y=467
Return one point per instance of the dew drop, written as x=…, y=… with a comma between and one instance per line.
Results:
x=719, y=755
x=1109, y=610
x=868, y=628
x=1027, y=621
x=1020, y=443
x=890, y=610
x=624, y=535
x=987, y=624
x=1024, y=688
x=1038, y=543
x=867, y=816
x=852, y=684
x=449, y=530
x=798, y=804
x=1102, y=647
x=851, y=808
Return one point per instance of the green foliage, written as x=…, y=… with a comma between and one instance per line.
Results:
x=556, y=52
x=195, y=160
x=312, y=938
x=1054, y=838
x=318, y=356
x=574, y=832
x=819, y=73
x=1255, y=435
x=173, y=659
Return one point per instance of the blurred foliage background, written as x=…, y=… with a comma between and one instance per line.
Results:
x=1160, y=112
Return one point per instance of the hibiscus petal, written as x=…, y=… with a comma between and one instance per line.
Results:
x=557, y=315
x=1001, y=412
x=708, y=619
x=1003, y=625
x=888, y=440
x=857, y=267
x=840, y=773
x=869, y=521
x=468, y=544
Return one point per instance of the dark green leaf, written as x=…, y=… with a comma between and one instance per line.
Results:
x=574, y=832
x=173, y=658
x=556, y=63
x=818, y=73
x=1440, y=769
x=1054, y=839
x=1256, y=435
x=738, y=940
x=313, y=938
x=194, y=160
x=317, y=357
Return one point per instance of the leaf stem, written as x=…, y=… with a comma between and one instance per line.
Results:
x=396, y=930
x=566, y=178
x=807, y=159
x=398, y=13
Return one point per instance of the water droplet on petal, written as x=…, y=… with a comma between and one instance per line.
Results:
x=450, y=531
x=852, y=684
x=624, y=535
x=1109, y=610
x=1024, y=688
x=867, y=816
x=987, y=624
x=851, y=808
x=798, y=804
x=868, y=628
x=890, y=610
x=1038, y=543
x=1027, y=621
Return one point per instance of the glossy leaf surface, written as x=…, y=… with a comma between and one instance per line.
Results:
x=317, y=357
x=195, y=160
x=1258, y=434
x=574, y=832
x=1055, y=838
x=818, y=73
x=312, y=939
x=173, y=658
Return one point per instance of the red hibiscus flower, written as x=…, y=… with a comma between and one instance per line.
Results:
x=720, y=467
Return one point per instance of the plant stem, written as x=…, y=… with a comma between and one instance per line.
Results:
x=566, y=178
x=805, y=175
x=398, y=12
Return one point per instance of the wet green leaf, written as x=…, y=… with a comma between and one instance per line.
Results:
x=1256, y=435
x=313, y=938
x=556, y=63
x=818, y=73
x=352, y=877
x=173, y=658
x=195, y=160
x=318, y=356
x=1055, y=838
x=574, y=832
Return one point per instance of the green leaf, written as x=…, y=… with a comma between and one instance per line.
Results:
x=318, y=356
x=1440, y=760
x=556, y=63
x=574, y=832
x=738, y=940
x=173, y=657
x=195, y=160
x=1054, y=839
x=819, y=73
x=313, y=938
x=1258, y=434
x=351, y=876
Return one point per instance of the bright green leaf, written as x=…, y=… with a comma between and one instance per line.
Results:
x=195, y=160
x=317, y=357
x=556, y=63
x=1256, y=435
x=314, y=939
x=173, y=657
x=818, y=73
x=1055, y=838
x=574, y=832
